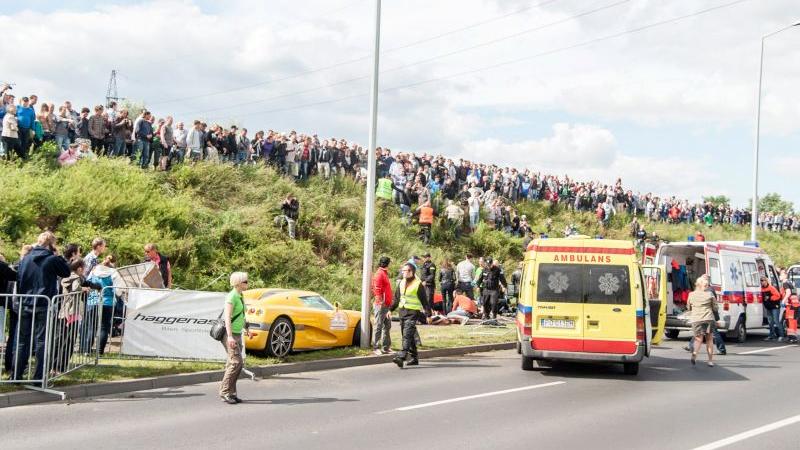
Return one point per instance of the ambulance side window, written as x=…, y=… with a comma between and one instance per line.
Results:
x=750, y=274
x=714, y=272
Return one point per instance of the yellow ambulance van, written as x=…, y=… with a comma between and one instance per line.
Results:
x=584, y=299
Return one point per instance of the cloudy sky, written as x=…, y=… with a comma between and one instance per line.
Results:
x=659, y=92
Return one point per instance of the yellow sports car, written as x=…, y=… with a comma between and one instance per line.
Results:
x=283, y=320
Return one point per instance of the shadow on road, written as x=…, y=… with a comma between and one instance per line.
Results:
x=285, y=377
x=653, y=369
x=142, y=396
x=297, y=401
x=441, y=365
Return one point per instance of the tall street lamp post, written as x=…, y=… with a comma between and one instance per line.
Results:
x=754, y=216
x=369, y=213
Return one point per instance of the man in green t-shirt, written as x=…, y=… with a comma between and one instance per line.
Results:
x=234, y=326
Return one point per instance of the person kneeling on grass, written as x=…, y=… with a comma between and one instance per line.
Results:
x=464, y=308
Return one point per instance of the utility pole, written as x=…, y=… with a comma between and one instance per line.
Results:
x=111, y=92
x=754, y=208
x=369, y=213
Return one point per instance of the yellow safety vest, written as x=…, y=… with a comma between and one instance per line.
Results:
x=384, y=189
x=408, y=296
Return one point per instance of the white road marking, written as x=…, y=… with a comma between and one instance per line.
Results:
x=762, y=350
x=472, y=397
x=751, y=433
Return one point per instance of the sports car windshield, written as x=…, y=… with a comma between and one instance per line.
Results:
x=316, y=302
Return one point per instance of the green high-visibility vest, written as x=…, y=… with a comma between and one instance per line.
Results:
x=384, y=190
x=408, y=296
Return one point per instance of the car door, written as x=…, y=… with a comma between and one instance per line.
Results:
x=610, y=309
x=558, y=309
x=655, y=282
x=318, y=313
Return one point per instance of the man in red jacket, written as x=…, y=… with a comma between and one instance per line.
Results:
x=381, y=307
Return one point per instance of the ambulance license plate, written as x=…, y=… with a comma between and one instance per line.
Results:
x=557, y=323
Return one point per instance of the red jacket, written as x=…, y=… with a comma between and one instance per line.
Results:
x=381, y=288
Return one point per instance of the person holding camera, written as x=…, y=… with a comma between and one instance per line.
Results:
x=291, y=212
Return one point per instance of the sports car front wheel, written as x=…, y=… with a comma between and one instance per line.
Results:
x=281, y=338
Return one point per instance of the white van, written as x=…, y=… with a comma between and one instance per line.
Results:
x=734, y=270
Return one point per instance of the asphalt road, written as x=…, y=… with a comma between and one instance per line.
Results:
x=475, y=401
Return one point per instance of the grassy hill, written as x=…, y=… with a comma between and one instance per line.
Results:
x=213, y=219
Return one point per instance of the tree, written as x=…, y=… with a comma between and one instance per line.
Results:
x=134, y=107
x=717, y=200
x=773, y=203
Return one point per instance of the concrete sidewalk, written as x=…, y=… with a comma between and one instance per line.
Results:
x=29, y=397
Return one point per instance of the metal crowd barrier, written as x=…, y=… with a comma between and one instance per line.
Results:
x=74, y=325
x=46, y=339
x=25, y=351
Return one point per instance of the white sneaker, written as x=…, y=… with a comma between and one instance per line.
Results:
x=377, y=352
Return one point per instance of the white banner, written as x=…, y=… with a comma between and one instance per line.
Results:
x=172, y=324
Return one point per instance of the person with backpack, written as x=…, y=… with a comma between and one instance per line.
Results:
x=235, y=326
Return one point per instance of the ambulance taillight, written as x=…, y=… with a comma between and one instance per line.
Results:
x=527, y=326
x=640, y=330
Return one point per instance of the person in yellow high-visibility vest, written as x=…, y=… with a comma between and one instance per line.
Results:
x=410, y=298
x=385, y=189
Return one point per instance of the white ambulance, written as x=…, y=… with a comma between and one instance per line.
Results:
x=734, y=269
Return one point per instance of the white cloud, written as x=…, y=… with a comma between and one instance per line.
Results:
x=586, y=152
x=571, y=147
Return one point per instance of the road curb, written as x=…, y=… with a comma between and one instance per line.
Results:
x=120, y=387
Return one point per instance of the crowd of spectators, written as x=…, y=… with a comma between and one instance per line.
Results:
x=461, y=192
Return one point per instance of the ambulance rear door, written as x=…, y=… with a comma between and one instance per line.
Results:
x=610, y=308
x=655, y=282
x=558, y=308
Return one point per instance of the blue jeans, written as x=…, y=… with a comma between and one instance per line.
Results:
x=241, y=156
x=473, y=219
x=62, y=142
x=119, y=147
x=304, y=169
x=32, y=324
x=718, y=341
x=774, y=320
x=144, y=146
x=406, y=216
x=89, y=328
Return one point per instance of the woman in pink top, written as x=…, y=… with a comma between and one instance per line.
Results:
x=69, y=156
